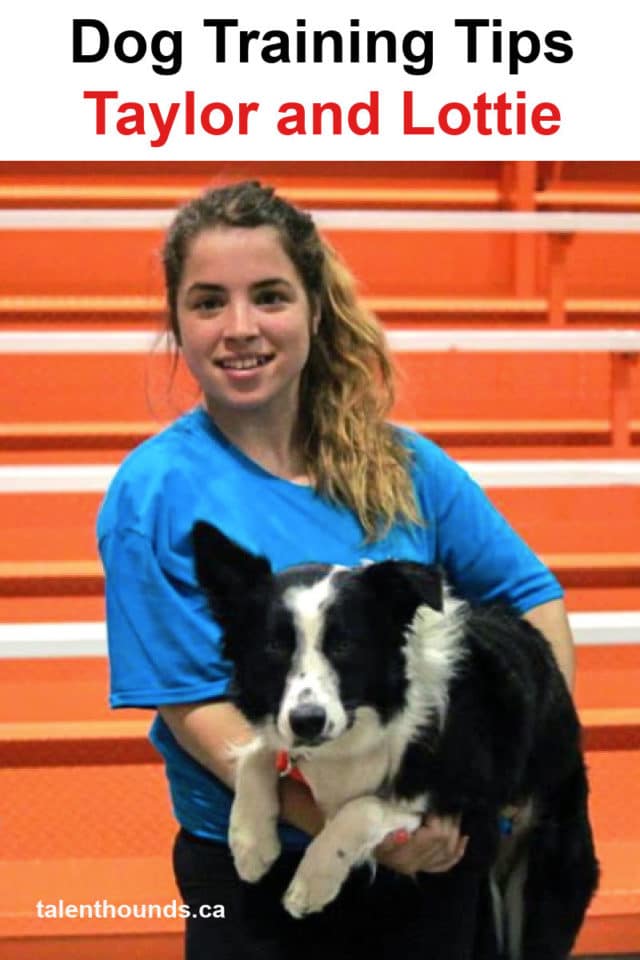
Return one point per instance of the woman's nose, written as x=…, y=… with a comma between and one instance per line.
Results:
x=240, y=320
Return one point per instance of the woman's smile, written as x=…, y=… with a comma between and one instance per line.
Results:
x=244, y=363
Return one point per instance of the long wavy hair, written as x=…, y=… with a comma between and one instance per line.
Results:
x=352, y=454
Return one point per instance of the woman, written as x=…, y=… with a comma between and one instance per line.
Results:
x=291, y=456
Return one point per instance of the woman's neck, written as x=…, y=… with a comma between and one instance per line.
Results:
x=271, y=444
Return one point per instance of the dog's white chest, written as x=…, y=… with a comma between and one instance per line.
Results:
x=335, y=780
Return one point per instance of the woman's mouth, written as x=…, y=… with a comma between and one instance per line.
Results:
x=244, y=363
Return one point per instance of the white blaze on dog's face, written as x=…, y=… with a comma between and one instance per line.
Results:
x=311, y=710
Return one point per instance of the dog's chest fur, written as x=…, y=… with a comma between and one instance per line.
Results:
x=334, y=782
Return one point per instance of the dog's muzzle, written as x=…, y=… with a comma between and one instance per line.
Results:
x=307, y=722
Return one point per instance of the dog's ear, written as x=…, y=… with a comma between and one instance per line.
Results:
x=225, y=570
x=403, y=586
x=428, y=582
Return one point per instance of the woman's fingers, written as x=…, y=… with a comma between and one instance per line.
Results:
x=392, y=841
x=434, y=848
x=447, y=829
x=446, y=860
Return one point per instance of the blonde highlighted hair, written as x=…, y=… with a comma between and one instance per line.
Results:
x=354, y=457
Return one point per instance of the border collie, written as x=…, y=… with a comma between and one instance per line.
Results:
x=392, y=699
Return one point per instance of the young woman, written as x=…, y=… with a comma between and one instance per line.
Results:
x=291, y=456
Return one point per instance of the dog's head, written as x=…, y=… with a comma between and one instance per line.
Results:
x=314, y=643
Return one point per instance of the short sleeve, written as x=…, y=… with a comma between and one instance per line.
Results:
x=483, y=556
x=164, y=646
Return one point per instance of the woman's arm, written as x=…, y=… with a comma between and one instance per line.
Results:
x=551, y=620
x=206, y=730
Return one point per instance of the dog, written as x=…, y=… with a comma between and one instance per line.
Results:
x=392, y=699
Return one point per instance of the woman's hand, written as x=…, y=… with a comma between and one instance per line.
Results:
x=435, y=847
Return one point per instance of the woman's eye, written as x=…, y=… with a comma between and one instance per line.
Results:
x=208, y=305
x=270, y=298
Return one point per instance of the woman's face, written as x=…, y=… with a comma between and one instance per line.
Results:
x=245, y=321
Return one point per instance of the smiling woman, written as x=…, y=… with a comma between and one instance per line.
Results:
x=291, y=455
x=245, y=325
x=293, y=370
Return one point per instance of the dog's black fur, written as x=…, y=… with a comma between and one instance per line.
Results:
x=499, y=736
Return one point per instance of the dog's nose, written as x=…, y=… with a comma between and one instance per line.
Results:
x=307, y=721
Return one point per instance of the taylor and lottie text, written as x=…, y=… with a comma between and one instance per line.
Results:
x=485, y=116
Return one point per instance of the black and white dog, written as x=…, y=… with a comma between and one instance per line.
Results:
x=393, y=699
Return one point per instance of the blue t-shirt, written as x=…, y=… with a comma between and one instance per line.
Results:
x=163, y=643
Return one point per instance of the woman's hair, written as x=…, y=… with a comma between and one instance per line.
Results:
x=352, y=454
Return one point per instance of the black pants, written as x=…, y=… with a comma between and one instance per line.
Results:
x=390, y=918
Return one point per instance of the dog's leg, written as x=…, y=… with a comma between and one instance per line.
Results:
x=497, y=911
x=253, y=835
x=508, y=876
x=562, y=874
x=514, y=907
x=557, y=893
x=345, y=841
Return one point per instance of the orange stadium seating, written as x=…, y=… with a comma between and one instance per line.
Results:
x=68, y=765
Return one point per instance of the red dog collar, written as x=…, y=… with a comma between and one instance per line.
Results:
x=286, y=767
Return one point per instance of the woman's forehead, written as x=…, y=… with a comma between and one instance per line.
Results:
x=238, y=253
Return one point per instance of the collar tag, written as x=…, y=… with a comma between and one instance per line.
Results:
x=286, y=767
x=283, y=763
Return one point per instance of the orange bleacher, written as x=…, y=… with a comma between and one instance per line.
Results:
x=67, y=764
x=78, y=838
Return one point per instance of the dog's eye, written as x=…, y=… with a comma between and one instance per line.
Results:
x=279, y=639
x=278, y=647
x=338, y=647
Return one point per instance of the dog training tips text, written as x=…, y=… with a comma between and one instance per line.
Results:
x=504, y=111
x=480, y=40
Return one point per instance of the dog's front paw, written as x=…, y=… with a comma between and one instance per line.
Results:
x=310, y=891
x=254, y=851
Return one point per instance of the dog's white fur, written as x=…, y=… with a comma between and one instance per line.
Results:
x=346, y=772
x=312, y=677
